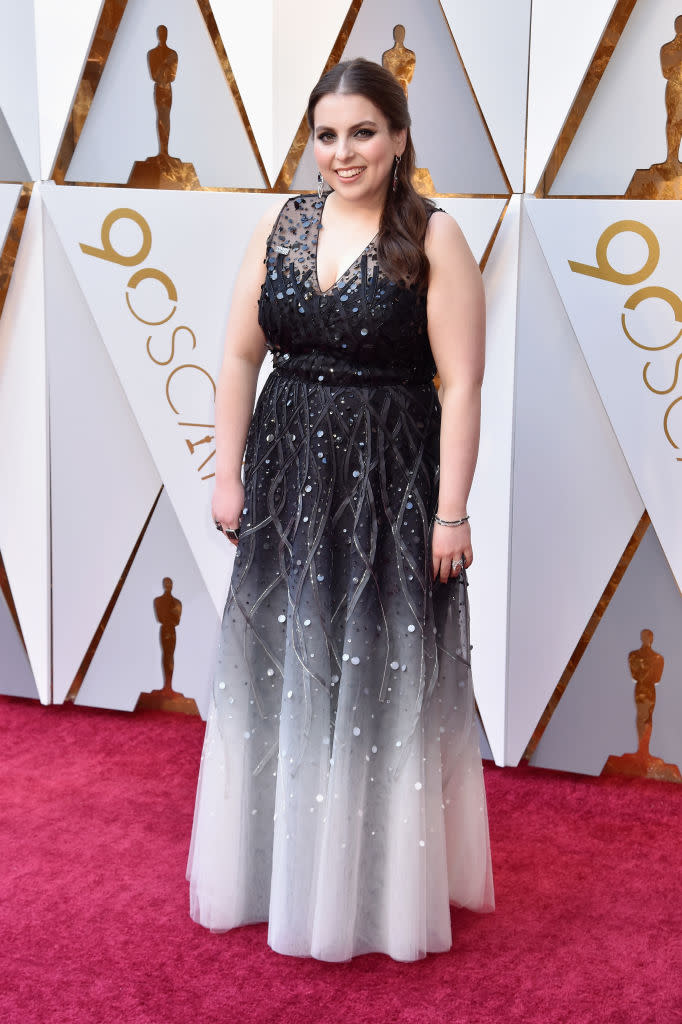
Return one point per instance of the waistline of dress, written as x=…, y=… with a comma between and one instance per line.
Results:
x=341, y=377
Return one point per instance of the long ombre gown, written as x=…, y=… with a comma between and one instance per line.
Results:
x=340, y=793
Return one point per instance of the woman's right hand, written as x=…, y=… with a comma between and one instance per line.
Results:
x=227, y=505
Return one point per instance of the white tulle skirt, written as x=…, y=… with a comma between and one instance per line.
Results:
x=351, y=853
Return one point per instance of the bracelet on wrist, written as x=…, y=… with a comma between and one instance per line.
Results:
x=451, y=522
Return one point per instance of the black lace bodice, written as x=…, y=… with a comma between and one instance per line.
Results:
x=365, y=329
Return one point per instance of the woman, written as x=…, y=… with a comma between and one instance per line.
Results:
x=340, y=794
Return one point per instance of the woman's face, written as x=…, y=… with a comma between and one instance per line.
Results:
x=354, y=147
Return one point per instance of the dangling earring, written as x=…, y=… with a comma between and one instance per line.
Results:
x=396, y=165
x=320, y=184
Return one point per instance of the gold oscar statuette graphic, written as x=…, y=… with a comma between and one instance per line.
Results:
x=168, y=612
x=664, y=181
x=401, y=63
x=646, y=668
x=163, y=171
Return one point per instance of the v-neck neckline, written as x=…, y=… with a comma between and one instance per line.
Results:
x=328, y=291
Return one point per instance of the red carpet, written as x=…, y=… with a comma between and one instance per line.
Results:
x=95, y=819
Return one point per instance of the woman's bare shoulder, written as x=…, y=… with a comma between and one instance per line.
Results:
x=443, y=232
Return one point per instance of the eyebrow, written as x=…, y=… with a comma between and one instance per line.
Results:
x=360, y=124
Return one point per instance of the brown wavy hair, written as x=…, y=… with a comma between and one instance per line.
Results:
x=402, y=229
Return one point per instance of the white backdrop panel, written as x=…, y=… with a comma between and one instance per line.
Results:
x=624, y=126
x=63, y=38
x=575, y=505
x=247, y=34
x=128, y=659
x=563, y=39
x=596, y=715
x=12, y=166
x=103, y=479
x=197, y=241
x=477, y=218
x=16, y=677
x=9, y=195
x=299, y=58
x=18, y=81
x=276, y=61
x=570, y=229
x=490, y=499
x=448, y=133
x=24, y=471
x=206, y=128
x=493, y=40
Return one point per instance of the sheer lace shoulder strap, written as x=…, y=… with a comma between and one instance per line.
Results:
x=294, y=221
x=277, y=229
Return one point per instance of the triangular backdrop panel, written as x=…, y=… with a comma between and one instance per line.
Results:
x=569, y=230
x=16, y=677
x=493, y=41
x=575, y=504
x=274, y=67
x=167, y=370
x=24, y=471
x=623, y=128
x=596, y=715
x=477, y=218
x=103, y=479
x=128, y=658
x=490, y=499
x=562, y=42
x=9, y=196
x=63, y=37
x=448, y=132
x=205, y=129
x=18, y=85
x=12, y=166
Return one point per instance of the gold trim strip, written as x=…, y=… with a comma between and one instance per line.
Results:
x=7, y=594
x=489, y=247
x=602, y=56
x=102, y=41
x=590, y=629
x=79, y=678
x=11, y=247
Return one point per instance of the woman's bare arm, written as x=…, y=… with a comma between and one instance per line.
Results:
x=456, y=325
x=242, y=358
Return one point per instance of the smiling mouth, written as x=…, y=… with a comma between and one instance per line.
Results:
x=348, y=173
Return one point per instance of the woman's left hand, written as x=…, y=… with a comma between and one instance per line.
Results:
x=448, y=546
